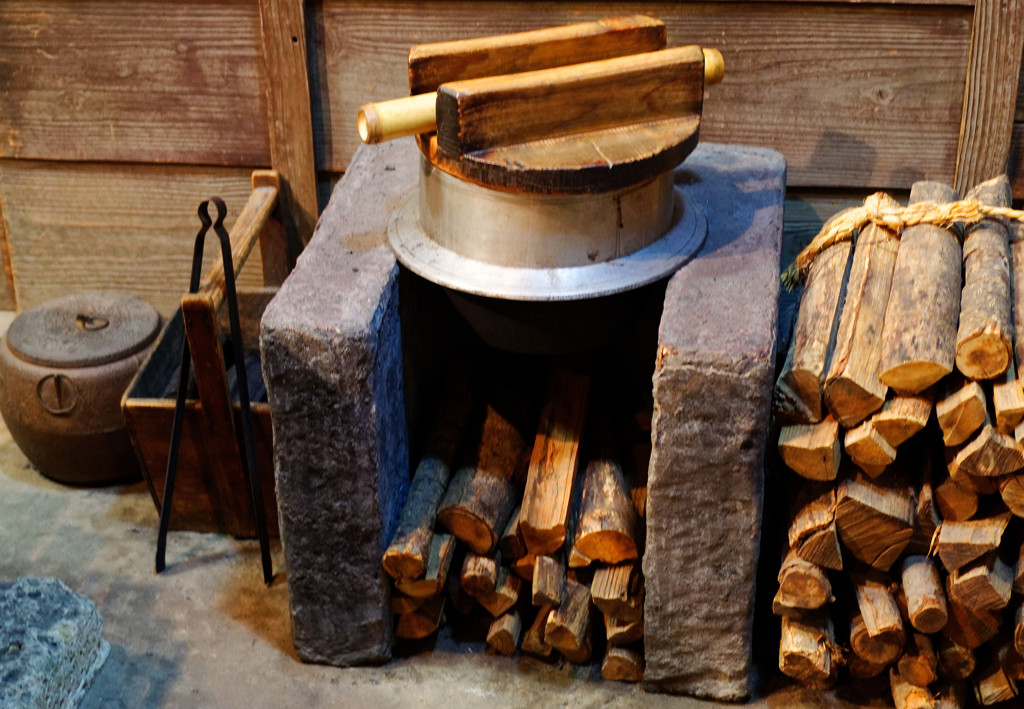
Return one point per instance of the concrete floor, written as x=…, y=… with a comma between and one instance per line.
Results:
x=207, y=633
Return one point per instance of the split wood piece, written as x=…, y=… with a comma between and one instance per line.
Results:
x=1005, y=649
x=901, y=416
x=618, y=591
x=503, y=635
x=860, y=668
x=523, y=567
x=968, y=626
x=797, y=396
x=926, y=599
x=918, y=664
x=955, y=503
x=431, y=65
x=607, y=527
x=927, y=520
x=506, y=593
x=813, y=532
x=877, y=604
x=568, y=627
x=801, y=584
x=813, y=450
x=994, y=686
x=1018, y=575
x=548, y=581
x=880, y=649
x=533, y=640
x=482, y=494
x=622, y=664
x=511, y=109
x=543, y=519
x=919, y=335
x=401, y=603
x=1011, y=489
x=978, y=484
x=479, y=574
x=956, y=662
x=906, y=695
x=959, y=543
x=807, y=651
x=990, y=454
x=1018, y=632
x=984, y=342
x=511, y=543
x=442, y=548
x=421, y=622
x=960, y=411
x=868, y=450
x=406, y=556
x=875, y=522
x=982, y=585
x=1008, y=400
x=623, y=632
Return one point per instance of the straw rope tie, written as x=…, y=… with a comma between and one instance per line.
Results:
x=884, y=211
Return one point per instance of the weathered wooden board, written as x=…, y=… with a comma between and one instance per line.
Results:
x=854, y=95
x=126, y=228
x=149, y=81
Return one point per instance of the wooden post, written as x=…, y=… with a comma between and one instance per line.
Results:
x=919, y=335
x=853, y=390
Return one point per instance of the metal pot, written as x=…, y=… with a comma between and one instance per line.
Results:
x=64, y=366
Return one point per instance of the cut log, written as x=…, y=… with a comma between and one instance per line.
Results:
x=875, y=522
x=1008, y=400
x=807, y=651
x=503, y=635
x=960, y=410
x=506, y=593
x=984, y=342
x=982, y=585
x=533, y=640
x=801, y=584
x=868, y=449
x=812, y=451
x=577, y=560
x=980, y=485
x=906, y=695
x=880, y=649
x=877, y=604
x=918, y=664
x=618, y=591
x=990, y=454
x=548, y=581
x=622, y=664
x=1018, y=575
x=1011, y=489
x=927, y=518
x=993, y=687
x=406, y=556
x=956, y=662
x=926, y=599
x=623, y=632
x=852, y=389
x=482, y=494
x=1018, y=631
x=608, y=521
x=967, y=626
x=419, y=623
x=959, y=543
x=919, y=335
x=442, y=548
x=401, y=603
x=479, y=574
x=511, y=543
x=1004, y=651
x=798, y=396
x=568, y=627
x=523, y=567
x=555, y=461
x=813, y=532
x=902, y=416
x=859, y=668
x=955, y=503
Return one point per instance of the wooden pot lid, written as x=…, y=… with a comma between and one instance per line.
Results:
x=83, y=330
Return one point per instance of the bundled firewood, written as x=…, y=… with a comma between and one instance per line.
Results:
x=908, y=479
x=539, y=544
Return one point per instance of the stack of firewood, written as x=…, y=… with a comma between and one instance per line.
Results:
x=901, y=411
x=549, y=545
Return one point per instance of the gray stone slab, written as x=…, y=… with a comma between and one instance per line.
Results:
x=332, y=361
x=51, y=644
x=712, y=389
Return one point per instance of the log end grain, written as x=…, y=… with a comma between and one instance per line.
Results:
x=911, y=378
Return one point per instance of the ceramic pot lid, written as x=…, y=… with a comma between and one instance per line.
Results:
x=83, y=330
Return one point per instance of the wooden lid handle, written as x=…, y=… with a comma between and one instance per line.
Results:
x=413, y=115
